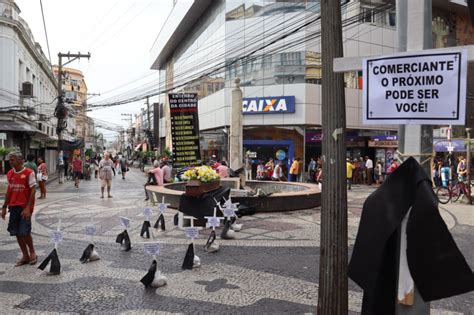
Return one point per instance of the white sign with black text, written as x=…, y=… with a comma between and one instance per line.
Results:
x=427, y=89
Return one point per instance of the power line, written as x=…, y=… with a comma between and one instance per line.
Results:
x=243, y=59
x=237, y=50
x=45, y=32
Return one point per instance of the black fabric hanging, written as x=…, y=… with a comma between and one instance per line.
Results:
x=150, y=276
x=146, y=229
x=211, y=239
x=189, y=258
x=436, y=265
x=86, y=255
x=225, y=230
x=55, y=266
x=160, y=222
x=124, y=240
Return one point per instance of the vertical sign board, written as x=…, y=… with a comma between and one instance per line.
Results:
x=184, y=128
x=425, y=89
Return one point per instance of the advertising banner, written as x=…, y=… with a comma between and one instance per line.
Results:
x=184, y=128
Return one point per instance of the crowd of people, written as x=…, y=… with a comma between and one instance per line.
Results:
x=449, y=168
x=363, y=171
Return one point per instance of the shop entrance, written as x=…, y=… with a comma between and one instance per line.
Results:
x=283, y=150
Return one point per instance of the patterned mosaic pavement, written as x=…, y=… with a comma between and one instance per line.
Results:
x=271, y=267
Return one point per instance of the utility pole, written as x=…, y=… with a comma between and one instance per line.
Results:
x=333, y=283
x=60, y=111
x=148, y=118
x=156, y=125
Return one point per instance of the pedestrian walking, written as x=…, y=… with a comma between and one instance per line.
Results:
x=31, y=163
x=393, y=166
x=462, y=169
x=95, y=163
x=106, y=166
x=278, y=173
x=379, y=172
x=294, y=170
x=350, y=168
x=42, y=177
x=77, y=170
x=369, y=169
x=261, y=173
x=299, y=177
x=123, y=166
x=270, y=166
x=20, y=200
x=248, y=168
x=312, y=170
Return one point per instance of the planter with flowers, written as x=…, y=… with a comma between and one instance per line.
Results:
x=200, y=180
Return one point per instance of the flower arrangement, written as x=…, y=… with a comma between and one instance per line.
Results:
x=204, y=174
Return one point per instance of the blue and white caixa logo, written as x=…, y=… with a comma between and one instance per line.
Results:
x=268, y=105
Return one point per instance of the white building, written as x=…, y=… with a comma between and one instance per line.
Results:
x=27, y=88
x=274, y=48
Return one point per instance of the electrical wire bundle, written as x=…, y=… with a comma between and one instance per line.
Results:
x=292, y=37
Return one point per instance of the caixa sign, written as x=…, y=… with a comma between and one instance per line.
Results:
x=268, y=105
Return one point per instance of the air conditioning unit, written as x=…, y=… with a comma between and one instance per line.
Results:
x=27, y=89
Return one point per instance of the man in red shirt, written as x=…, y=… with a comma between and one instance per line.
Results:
x=20, y=199
x=77, y=170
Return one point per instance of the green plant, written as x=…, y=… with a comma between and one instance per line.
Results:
x=4, y=152
x=167, y=152
x=149, y=154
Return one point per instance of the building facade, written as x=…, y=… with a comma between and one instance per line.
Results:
x=27, y=88
x=75, y=96
x=273, y=47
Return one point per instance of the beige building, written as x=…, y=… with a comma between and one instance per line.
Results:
x=75, y=95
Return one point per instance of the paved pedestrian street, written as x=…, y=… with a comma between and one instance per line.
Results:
x=271, y=267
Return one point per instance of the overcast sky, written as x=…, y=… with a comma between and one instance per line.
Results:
x=118, y=34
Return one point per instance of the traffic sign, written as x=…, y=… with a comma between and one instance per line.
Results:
x=428, y=89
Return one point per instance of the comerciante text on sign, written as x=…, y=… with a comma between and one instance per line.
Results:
x=415, y=89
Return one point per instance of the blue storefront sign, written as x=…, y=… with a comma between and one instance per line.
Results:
x=268, y=105
x=442, y=145
x=384, y=138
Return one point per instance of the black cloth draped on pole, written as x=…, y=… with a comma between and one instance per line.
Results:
x=71, y=145
x=436, y=265
x=202, y=206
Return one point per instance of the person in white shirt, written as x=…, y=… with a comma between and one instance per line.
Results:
x=369, y=169
x=278, y=172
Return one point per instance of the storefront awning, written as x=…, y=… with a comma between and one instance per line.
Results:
x=20, y=126
x=17, y=126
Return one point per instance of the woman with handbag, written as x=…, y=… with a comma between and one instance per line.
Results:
x=42, y=177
